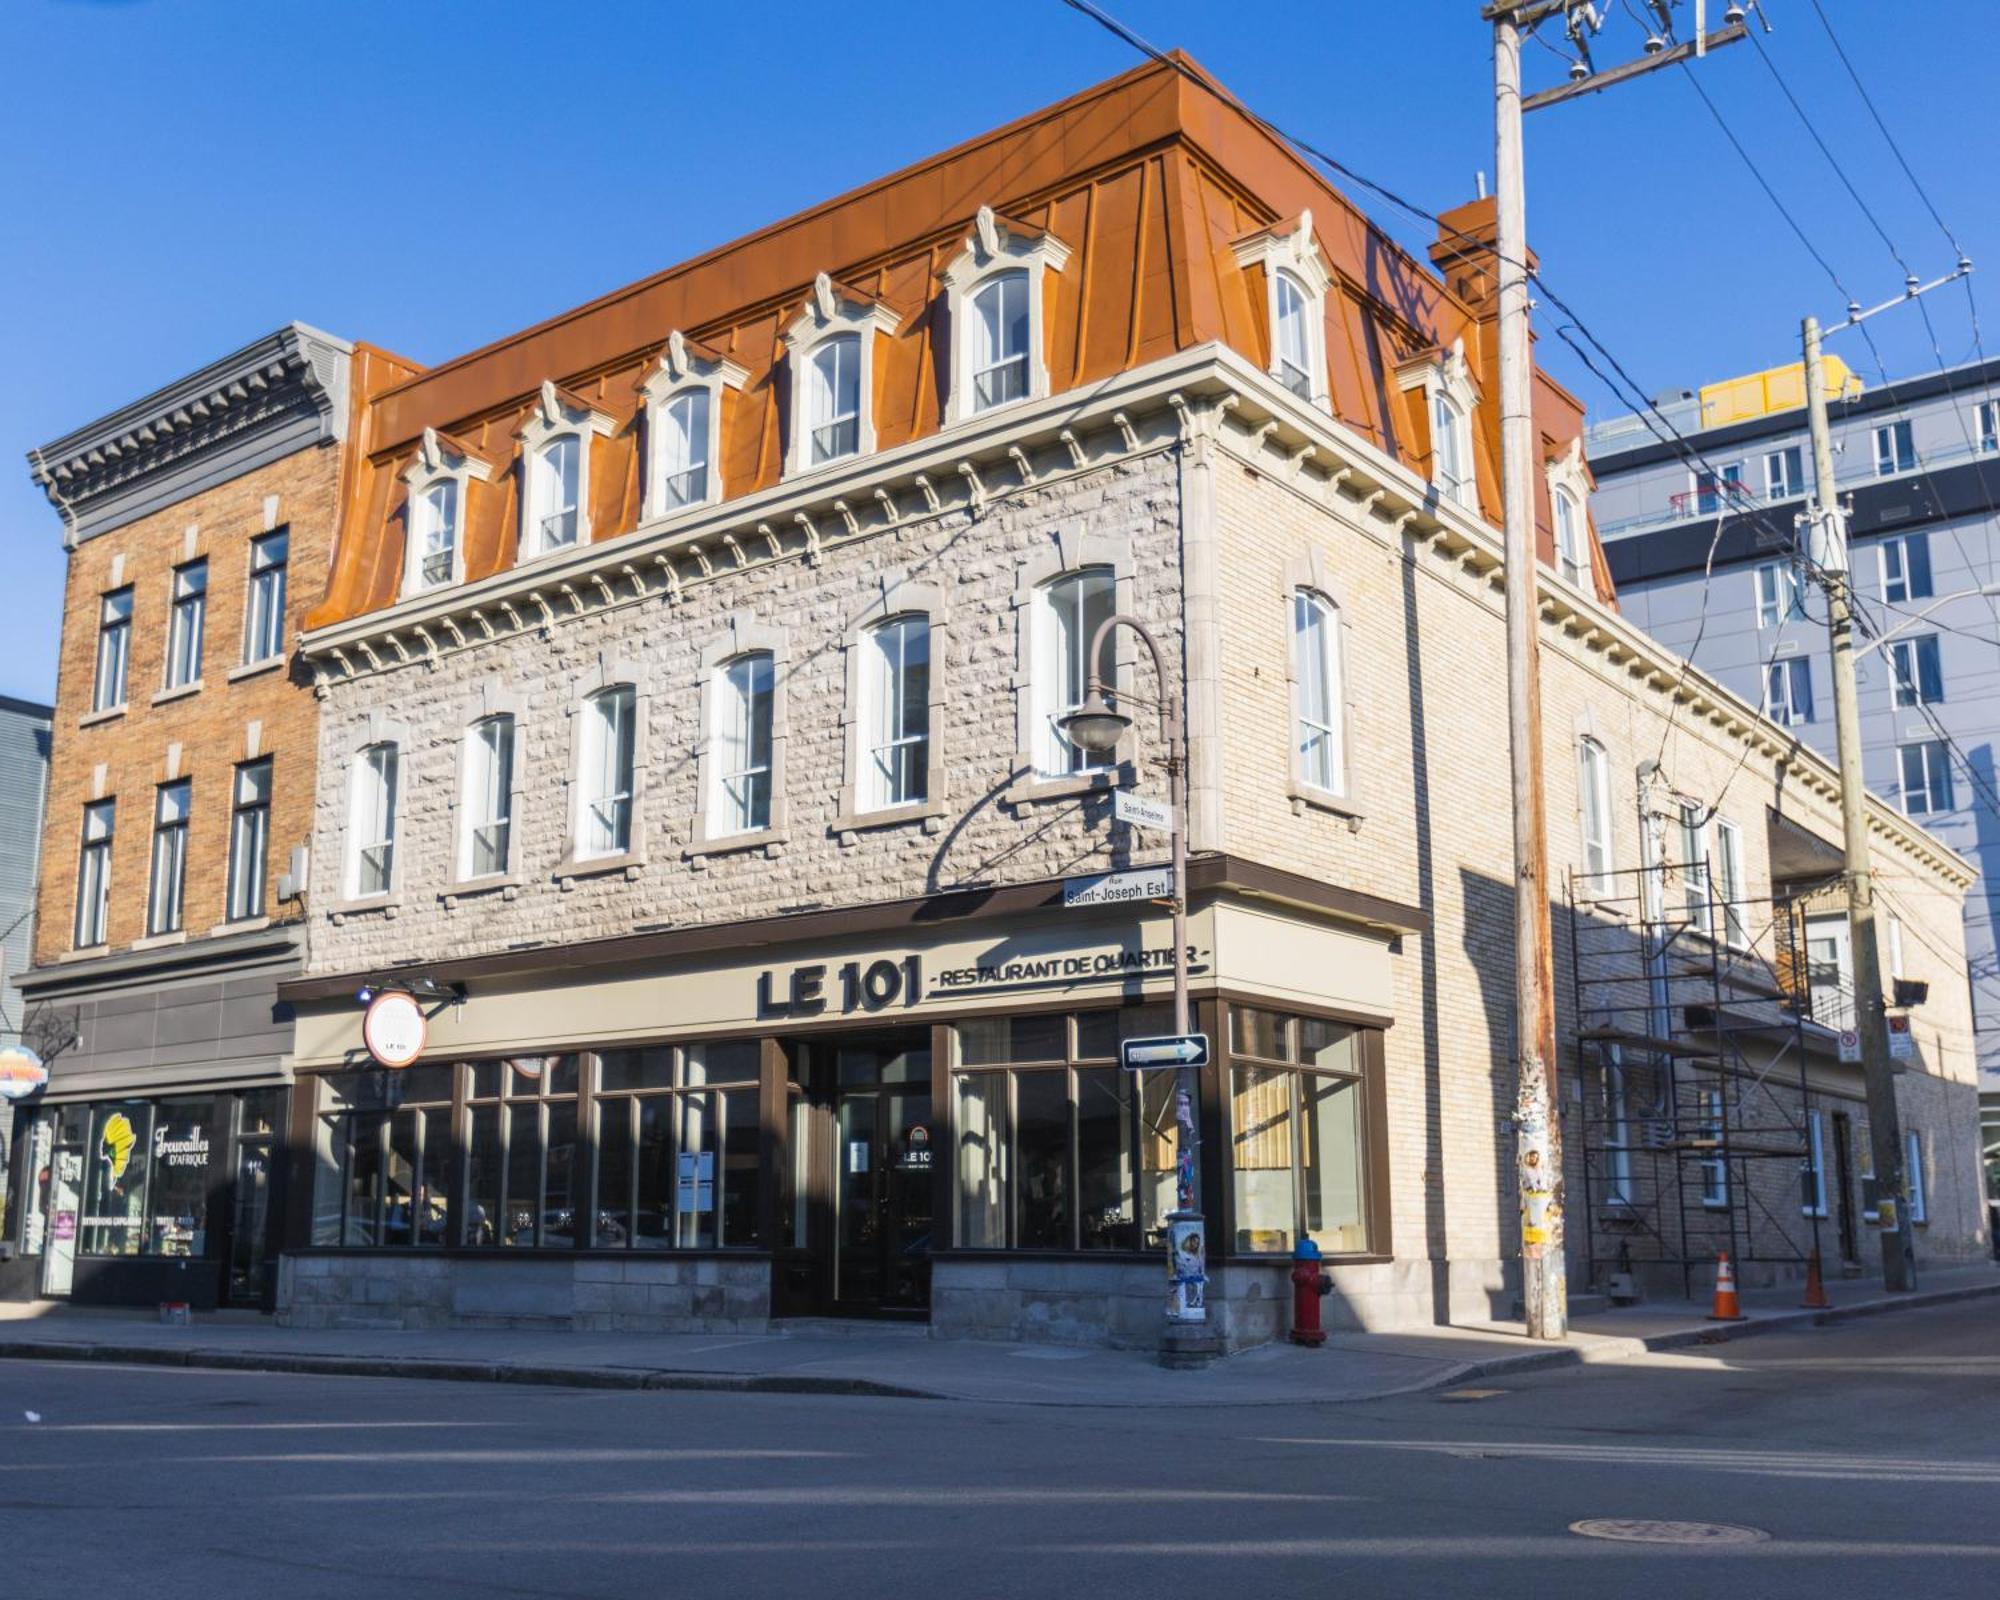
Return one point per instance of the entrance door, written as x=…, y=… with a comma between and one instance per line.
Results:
x=1843, y=1169
x=1829, y=971
x=882, y=1182
x=63, y=1205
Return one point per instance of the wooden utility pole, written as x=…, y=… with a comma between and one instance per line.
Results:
x=1827, y=546
x=1537, y=1110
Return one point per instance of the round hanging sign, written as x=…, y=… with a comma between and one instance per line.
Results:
x=21, y=1073
x=393, y=1028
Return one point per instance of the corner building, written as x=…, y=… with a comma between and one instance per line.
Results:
x=688, y=677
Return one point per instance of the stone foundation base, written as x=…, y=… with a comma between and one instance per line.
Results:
x=636, y=1294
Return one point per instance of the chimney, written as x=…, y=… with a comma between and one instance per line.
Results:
x=1465, y=253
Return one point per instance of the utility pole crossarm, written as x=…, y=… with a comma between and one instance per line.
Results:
x=1625, y=71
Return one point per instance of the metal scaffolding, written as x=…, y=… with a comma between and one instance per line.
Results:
x=1691, y=1043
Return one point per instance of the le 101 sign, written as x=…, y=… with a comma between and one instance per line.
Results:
x=1168, y=1050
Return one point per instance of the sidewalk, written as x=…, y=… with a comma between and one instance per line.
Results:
x=873, y=1359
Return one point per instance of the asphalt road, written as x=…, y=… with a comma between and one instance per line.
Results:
x=1867, y=1454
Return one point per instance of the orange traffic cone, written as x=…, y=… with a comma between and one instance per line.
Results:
x=1815, y=1299
x=1726, y=1308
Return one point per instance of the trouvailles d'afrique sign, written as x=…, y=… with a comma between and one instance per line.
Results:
x=891, y=982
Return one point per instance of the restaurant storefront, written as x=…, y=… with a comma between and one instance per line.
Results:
x=923, y=1121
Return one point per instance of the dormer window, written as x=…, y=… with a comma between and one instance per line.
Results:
x=830, y=346
x=1569, y=493
x=555, y=503
x=683, y=396
x=836, y=398
x=994, y=307
x=438, y=482
x=1448, y=401
x=1295, y=280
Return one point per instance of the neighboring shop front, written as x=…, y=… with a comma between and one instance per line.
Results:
x=908, y=1112
x=150, y=1170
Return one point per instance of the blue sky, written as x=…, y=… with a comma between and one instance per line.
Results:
x=183, y=175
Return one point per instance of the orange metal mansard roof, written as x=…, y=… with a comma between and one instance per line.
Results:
x=1149, y=179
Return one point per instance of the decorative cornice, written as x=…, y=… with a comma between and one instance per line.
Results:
x=284, y=393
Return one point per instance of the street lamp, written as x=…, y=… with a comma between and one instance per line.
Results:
x=1096, y=726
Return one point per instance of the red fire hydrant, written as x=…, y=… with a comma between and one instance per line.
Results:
x=1309, y=1286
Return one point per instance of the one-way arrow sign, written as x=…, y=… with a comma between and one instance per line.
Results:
x=1169, y=1050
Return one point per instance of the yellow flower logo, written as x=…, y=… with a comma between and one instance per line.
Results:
x=117, y=1141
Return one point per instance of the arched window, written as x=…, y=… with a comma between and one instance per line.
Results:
x=604, y=809
x=1292, y=344
x=1318, y=692
x=437, y=534
x=1069, y=611
x=553, y=490
x=1451, y=448
x=1569, y=536
x=896, y=713
x=834, y=410
x=1000, y=335
x=486, y=800
x=682, y=452
x=1594, y=809
x=741, y=721
x=371, y=822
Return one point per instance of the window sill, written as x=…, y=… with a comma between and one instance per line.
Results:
x=538, y=557
x=245, y=925
x=386, y=904
x=160, y=941
x=629, y=863
x=180, y=691
x=771, y=840
x=108, y=714
x=505, y=884
x=86, y=952
x=1305, y=798
x=1036, y=788
x=254, y=669
x=849, y=823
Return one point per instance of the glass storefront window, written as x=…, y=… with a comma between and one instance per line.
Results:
x=384, y=1155
x=1065, y=1155
x=116, y=1167
x=1297, y=1134
x=186, y=1173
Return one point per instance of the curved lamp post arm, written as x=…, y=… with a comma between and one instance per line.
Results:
x=1987, y=589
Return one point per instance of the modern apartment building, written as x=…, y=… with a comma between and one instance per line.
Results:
x=691, y=676
x=1919, y=461
x=198, y=521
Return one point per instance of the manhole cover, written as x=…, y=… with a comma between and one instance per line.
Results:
x=1633, y=1530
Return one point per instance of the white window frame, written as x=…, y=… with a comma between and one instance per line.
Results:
x=1714, y=1168
x=1906, y=672
x=1778, y=482
x=1886, y=463
x=1780, y=594
x=1569, y=487
x=1697, y=887
x=599, y=784
x=895, y=599
x=1056, y=757
x=92, y=924
x=1895, y=946
x=1617, y=1130
x=187, y=626
x=1935, y=760
x=1901, y=589
x=1291, y=251
x=1913, y=1176
x=1069, y=549
x=1730, y=891
x=684, y=370
x=1815, y=1164
x=266, y=594
x=885, y=695
x=995, y=247
x=1986, y=427
x=441, y=459
x=713, y=830
x=1318, y=674
x=831, y=312
x=734, y=770
x=1594, y=815
x=1786, y=710
x=488, y=787
x=1446, y=381
x=374, y=814
x=554, y=416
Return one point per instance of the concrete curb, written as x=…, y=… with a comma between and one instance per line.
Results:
x=1601, y=1350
